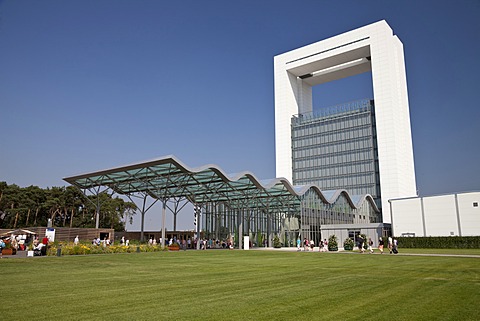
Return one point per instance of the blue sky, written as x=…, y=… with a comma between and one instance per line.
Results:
x=89, y=85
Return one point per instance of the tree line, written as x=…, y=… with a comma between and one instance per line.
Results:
x=65, y=206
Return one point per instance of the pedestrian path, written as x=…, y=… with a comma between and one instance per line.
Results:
x=19, y=255
x=341, y=251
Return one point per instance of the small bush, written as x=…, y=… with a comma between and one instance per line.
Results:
x=276, y=242
x=332, y=243
x=348, y=244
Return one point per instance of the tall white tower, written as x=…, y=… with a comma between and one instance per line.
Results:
x=375, y=48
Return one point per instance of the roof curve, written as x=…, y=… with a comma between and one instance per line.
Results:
x=168, y=177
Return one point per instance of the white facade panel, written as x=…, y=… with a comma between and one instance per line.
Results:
x=445, y=215
x=440, y=216
x=407, y=217
x=469, y=213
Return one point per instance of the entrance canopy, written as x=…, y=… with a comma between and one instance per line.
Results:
x=167, y=178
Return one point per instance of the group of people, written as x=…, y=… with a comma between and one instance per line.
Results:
x=124, y=242
x=310, y=245
x=18, y=242
x=215, y=244
x=361, y=245
x=184, y=244
x=392, y=245
x=307, y=245
x=98, y=242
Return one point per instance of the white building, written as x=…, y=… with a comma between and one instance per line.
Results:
x=371, y=48
x=442, y=215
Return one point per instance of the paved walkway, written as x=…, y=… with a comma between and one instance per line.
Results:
x=19, y=255
x=341, y=251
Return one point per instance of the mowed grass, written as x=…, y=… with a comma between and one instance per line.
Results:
x=240, y=285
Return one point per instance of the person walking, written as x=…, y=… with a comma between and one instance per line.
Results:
x=360, y=244
x=395, y=247
x=380, y=245
x=370, y=245
x=390, y=244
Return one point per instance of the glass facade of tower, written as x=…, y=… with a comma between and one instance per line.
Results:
x=336, y=148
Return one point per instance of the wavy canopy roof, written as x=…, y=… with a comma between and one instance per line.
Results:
x=167, y=178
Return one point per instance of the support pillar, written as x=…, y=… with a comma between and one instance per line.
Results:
x=269, y=229
x=240, y=229
x=97, y=212
x=164, y=215
x=142, y=226
x=197, y=210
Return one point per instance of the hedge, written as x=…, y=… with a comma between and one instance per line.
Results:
x=86, y=248
x=440, y=242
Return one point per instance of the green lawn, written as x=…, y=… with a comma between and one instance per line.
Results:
x=240, y=285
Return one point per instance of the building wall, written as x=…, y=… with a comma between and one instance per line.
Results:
x=292, y=96
x=341, y=231
x=440, y=216
x=469, y=214
x=444, y=215
x=408, y=216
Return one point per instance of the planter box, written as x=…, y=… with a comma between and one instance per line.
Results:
x=9, y=251
x=173, y=248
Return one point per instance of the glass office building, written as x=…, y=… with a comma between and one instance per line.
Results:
x=336, y=148
x=294, y=217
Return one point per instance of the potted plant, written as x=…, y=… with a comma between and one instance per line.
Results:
x=276, y=242
x=174, y=247
x=9, y=249
x=332, y=243
x=348, y=244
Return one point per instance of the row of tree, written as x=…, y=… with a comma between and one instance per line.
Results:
x=64, y=206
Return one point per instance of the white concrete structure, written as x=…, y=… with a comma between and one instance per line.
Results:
x=375, y=48
x=443, y=215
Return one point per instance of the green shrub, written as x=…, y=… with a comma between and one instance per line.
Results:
x=87, y=248
x=332, y=243
x=348, y=244
x=276, y=242
x=440, y=242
